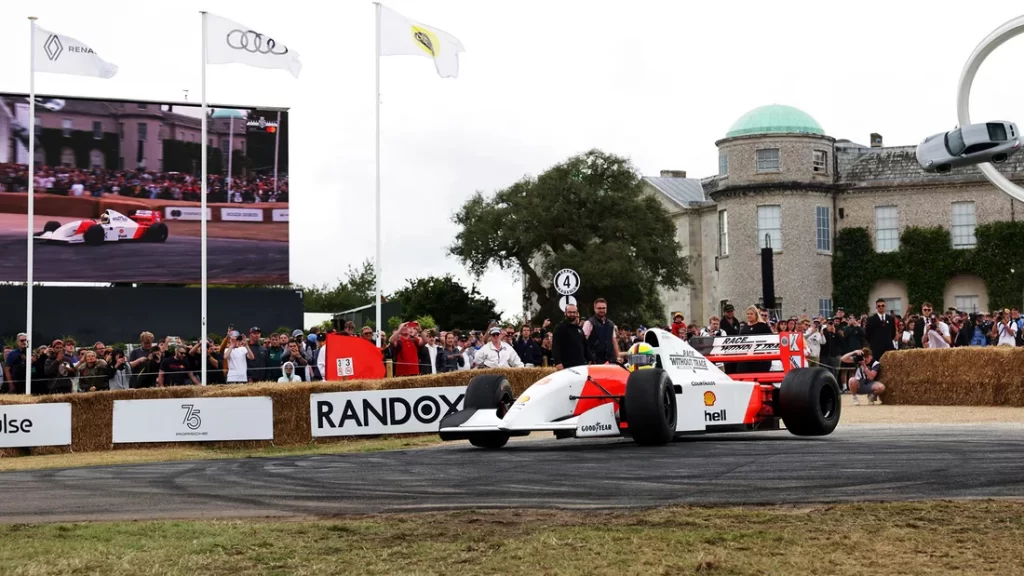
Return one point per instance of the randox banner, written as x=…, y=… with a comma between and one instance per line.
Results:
x=28, y=425
x=352, y=358
x=193, y=419
x=408, y=411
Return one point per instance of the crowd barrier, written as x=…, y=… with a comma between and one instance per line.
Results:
x=91, y=208
x=237, y=416
x=969, y=376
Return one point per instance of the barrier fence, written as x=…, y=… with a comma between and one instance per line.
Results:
x=255, y=415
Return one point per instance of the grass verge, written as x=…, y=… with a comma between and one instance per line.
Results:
x=977, y=537
x=177, y=453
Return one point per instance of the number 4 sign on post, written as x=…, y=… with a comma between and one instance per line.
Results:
x=567, y=282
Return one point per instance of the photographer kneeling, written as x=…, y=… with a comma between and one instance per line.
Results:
x=867, y=373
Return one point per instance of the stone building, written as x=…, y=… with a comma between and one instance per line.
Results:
x=782, y=178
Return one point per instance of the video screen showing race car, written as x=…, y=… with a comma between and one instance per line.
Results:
x=117, y=192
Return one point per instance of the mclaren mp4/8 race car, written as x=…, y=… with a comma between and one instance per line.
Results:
x=112, y=226
x=665, y=389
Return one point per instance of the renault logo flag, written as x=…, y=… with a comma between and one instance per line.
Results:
x=230, y=42
x=60, y=54
x=400, y=36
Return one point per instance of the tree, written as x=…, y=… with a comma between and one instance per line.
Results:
x=447, y=302
x=588, y=213
x=356, y=290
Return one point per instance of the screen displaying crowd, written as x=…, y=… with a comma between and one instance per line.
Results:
x=121, y=181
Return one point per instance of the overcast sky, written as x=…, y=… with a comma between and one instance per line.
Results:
x=658, y=82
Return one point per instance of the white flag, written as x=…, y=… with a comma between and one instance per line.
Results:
x=400, y=36
x=229, y=42
x=60, y=54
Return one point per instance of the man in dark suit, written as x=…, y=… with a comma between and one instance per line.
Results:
x=880, y=331
x=926, y=312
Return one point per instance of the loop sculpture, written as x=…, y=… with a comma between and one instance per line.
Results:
x=963, y=98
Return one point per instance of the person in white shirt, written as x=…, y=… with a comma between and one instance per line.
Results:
x=813, y=340
x=432, y=349
x=289, y=375
x=237, y=356
x=1005, y=330
x=936, y=333
x=713, y=330
x=496, y=353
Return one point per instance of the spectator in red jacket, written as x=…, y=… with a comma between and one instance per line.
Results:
x=678, y=326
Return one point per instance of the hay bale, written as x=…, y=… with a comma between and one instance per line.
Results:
x=92, y=413
x=971, y=376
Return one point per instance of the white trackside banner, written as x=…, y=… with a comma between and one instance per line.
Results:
x=409, y=411
x=28, y=425
x=193, y=419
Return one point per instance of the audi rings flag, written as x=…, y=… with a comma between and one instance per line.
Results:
x=400, y=36
x=229, y=42
x=60, y=54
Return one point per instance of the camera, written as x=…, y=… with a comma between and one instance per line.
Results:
x=858, y=357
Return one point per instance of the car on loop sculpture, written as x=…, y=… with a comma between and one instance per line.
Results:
x=972, y=144
x=112, y=226
x=666, y=389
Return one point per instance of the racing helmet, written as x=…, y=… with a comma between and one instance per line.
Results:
x=105, y=218
x=641, y=356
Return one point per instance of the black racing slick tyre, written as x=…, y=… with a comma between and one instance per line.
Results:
x=94, y=235
x=810, y=402
x=156, y=233
x=650, y=407
x=51, y=226
x=489, y=392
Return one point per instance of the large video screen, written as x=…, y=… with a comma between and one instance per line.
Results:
x=117, y=192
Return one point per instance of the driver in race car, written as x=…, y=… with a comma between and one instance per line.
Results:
x=105, y=219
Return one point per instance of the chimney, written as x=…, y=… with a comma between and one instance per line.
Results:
x=673, y=173
x=876, y=140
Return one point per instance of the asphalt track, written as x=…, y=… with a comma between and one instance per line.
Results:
x=856, y=463
x=175, y=261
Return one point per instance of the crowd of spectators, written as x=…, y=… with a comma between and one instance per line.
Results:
x=97, y=182
x=851, y=346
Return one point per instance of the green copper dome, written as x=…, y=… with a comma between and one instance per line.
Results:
x=774, y=119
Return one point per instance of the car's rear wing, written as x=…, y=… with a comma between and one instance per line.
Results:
x=786, y=347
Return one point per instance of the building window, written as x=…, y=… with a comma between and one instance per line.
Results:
x=893, y=306
x=66, y=127
x=181, y=135
x=97, y=130
x=967, y=304
x=143, y=131
x=769, y=222
x=723, y=233
x=820, y=164
x=774, y=314
x=887, y=229
x=723, y=164
x=768, y=160
x=67, y=158
x=824, y=228
x=241, y=146
x=120, y=130
x=964, y=221
x=160, y=132
x=96, y=159
x=141, y=106
x=825, y=307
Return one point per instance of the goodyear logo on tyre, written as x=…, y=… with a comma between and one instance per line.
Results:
x=709, y=398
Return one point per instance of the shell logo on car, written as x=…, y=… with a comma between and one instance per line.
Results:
x=709, y=398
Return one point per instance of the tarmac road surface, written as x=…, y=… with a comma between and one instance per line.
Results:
x=857, y=462
x=177, y=260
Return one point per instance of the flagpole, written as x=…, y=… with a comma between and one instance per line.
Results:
x=31, y=196
x=202, y=208
x=277, y=142
x=377, y=102
x=231, y=148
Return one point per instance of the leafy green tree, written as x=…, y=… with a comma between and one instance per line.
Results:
x=588, y=213
x=356, y=290
x=448, y=302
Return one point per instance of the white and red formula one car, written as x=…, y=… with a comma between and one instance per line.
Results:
x=666, y=389
x=112, y=226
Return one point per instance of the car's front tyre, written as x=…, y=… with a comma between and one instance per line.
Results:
x=650, y=407
x=489, y=392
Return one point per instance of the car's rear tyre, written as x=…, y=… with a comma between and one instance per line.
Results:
x=489, y=392
x=51, y=226
x=650, y=407
x=156, y=233
x=943, y=168
x=810, y=402
x=999, y=158
x=94, y=235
